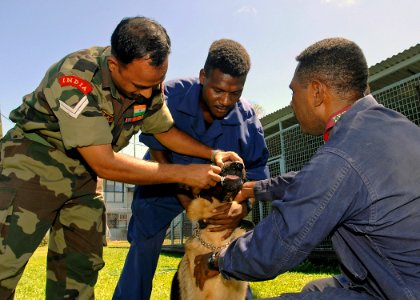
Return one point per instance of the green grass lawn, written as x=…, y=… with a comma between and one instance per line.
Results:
x=32, y=284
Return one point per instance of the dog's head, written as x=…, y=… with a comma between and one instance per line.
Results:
x=233, y=176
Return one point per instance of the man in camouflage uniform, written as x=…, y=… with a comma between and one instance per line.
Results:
x=67, y=133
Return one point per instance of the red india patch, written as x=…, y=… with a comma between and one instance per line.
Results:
x=77, y=82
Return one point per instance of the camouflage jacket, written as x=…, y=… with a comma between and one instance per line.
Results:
x=77, y=104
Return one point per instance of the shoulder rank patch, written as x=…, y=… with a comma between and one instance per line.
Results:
x=77, y=82
x=138, y=113
x=74, y=111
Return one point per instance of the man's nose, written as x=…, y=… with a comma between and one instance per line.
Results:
x=146, y=93
x=226, y=100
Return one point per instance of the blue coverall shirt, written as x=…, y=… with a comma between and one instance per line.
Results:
x=363, y=188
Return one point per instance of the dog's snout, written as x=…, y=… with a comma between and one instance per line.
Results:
x=238, y=165
x=233, y=168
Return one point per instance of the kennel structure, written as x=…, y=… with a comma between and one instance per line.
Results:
x=394, y=82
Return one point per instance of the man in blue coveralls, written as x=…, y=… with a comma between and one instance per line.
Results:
x=210, y=109
x=362, y=187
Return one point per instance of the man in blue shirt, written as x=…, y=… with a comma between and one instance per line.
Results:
x=362, y=187
x=210, y=109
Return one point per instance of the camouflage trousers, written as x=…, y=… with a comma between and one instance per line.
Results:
x=42, y=189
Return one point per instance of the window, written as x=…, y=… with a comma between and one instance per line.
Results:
x=114, y=191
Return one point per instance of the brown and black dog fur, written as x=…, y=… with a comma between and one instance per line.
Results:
x=203, y=241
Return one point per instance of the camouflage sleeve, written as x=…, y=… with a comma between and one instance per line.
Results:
x=74, y=102
x=159, y=118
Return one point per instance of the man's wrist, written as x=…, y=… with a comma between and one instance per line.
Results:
x=213, y=261
x=248, y=190
x=214, y=153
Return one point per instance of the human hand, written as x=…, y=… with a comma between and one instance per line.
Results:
x=221, y=156
x=227, y=217
x=201, y=270
x=201, y=176
x=238, y=209
x=246, y=192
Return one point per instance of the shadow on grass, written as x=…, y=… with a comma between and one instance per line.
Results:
x=314, y=266
x=173, y=254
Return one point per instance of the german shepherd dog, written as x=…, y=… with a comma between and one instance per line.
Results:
x=203, y=241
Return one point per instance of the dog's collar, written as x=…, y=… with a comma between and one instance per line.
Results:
x=213, y=248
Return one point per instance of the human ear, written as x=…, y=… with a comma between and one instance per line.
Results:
x=317, y=92
x=112, y=64
x=202, y=76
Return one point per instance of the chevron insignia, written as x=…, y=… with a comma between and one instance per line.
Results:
x=74, y=111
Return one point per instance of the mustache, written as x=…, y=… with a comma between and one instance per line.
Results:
x=138, y=98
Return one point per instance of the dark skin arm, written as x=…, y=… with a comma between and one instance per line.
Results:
x=230, y=214
x=227, y=220
x=247, y=192
x=201, y=270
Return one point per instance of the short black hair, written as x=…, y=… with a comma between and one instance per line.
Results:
x=337, y=62
x=228, y=56
x=140, y=37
